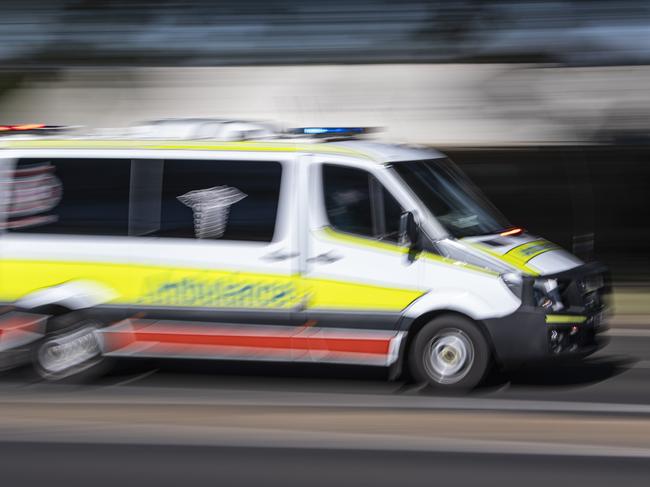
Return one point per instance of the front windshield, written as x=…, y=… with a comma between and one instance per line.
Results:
x=451, y=197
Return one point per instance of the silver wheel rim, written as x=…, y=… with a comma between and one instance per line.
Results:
x=449, y=356
x=69, y=351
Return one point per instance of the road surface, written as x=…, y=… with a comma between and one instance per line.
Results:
x=165, y=423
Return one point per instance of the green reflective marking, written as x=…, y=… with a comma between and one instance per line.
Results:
x=565, y=319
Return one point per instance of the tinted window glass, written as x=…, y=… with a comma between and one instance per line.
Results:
x=392, y=214
x=347, y=199
x=357, y=203
x=233, y=200
x=70, y=196
x=451, y=197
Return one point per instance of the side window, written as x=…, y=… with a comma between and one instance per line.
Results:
x=77, y=196
x=229, y=200
x=357, y=203
x=347, y=199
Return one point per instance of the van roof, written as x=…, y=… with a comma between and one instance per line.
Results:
x=369, y=150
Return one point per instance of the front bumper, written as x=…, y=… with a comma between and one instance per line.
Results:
x=528, y=335
x=532, y=333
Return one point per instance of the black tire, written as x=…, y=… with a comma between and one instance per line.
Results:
x=449, y=353
x=64, y=329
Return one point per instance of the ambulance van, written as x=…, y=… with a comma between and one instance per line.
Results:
x=320, y=246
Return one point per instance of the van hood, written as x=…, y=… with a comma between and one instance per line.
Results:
x=526, y=253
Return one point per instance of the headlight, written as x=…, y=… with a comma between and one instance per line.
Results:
x=514, y=281
x=547, y=294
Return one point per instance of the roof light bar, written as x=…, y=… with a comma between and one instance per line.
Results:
x=28, y=127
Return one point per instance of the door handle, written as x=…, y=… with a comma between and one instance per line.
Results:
x=325, y=258
x=280, y=255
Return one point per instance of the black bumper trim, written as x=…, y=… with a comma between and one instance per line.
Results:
x=524, y=337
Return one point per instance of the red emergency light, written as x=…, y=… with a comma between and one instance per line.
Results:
x=22, y=127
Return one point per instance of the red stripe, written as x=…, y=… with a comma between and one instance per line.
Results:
x=254, y=339
x=357, y=345
x=23, y=323
x=208, y=351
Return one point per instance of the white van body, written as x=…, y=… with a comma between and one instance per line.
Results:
x=312, y=288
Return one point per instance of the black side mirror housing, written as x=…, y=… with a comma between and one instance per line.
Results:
x=409, y=232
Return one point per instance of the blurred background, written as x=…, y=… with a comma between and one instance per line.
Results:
x=545, y=104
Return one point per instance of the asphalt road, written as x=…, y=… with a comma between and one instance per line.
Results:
x=167, y=423
x=618, y=373
x=118, y=465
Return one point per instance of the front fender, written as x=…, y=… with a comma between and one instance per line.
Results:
x=462, y=301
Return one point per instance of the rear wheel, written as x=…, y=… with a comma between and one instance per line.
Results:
x=449, y=353
x=70, y=349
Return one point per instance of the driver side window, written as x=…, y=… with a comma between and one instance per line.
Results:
x=357, y=203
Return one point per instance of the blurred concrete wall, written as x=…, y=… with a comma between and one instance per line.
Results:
x=428, y=103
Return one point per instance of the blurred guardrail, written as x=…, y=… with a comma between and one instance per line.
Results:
x=631, y=305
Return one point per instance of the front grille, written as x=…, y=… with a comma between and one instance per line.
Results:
x=591, y=284
x=585, y=292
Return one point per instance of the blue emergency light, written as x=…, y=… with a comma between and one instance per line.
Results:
x=325, y=131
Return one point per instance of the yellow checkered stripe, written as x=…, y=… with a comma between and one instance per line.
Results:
x=520, y=255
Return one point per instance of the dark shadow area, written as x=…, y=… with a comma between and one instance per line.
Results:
x=207, y=374
x=570, y=373
x=339, y=378
x=272, y=370
x=309, y=377
x=590, y=199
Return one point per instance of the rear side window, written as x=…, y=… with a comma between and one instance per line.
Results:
x=70, y=196
x=357, y=203
x=229, y=200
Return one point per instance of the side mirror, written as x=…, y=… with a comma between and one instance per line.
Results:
x=409, y=232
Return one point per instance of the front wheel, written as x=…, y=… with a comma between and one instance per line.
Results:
x=449, y=353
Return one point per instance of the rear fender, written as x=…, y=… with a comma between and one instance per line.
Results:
x=73, y=295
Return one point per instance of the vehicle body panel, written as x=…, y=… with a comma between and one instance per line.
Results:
x=313, y=293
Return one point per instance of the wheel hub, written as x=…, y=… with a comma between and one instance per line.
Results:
x=450, y=355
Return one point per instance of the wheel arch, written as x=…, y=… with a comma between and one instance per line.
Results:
x=413, y=327
x=67, y=296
